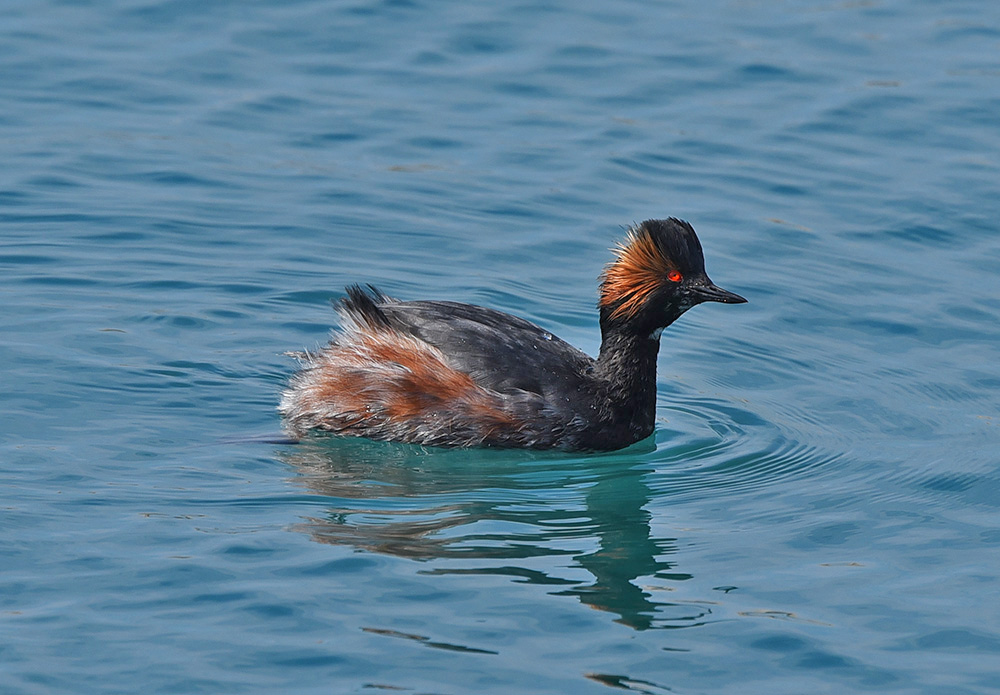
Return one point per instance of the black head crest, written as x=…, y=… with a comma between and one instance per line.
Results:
x=654, y=254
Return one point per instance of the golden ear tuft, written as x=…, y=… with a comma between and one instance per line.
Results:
x=638, y=270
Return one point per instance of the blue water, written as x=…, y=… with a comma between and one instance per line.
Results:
x=185, y=185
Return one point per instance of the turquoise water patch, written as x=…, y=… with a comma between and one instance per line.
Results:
x=186, y=186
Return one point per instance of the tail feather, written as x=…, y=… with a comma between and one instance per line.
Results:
x=362, y=307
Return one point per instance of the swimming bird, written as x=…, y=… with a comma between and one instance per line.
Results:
x=449, y=374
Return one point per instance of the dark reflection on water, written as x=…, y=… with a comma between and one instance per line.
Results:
x=493, y=512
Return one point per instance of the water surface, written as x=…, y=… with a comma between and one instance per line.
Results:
x=184, y=188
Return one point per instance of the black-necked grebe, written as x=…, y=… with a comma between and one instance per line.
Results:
x=450, y=374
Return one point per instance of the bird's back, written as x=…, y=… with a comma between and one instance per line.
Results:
x=499, y=351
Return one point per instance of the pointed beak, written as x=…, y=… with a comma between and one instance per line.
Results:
x=713, y=293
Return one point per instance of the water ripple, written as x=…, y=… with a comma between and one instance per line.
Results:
x=736, y=449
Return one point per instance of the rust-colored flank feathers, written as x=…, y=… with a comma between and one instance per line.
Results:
x=377, y=382
x=639, y=269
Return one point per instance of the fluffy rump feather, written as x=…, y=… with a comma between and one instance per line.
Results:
x=375, y=381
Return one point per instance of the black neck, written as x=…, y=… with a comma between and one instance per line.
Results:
x=627, y=364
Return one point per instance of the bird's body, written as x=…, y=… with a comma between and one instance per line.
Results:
x=450, y=374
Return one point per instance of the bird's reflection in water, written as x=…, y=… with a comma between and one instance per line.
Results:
x=499, y=512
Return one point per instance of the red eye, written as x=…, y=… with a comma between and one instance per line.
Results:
x=674, y=276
